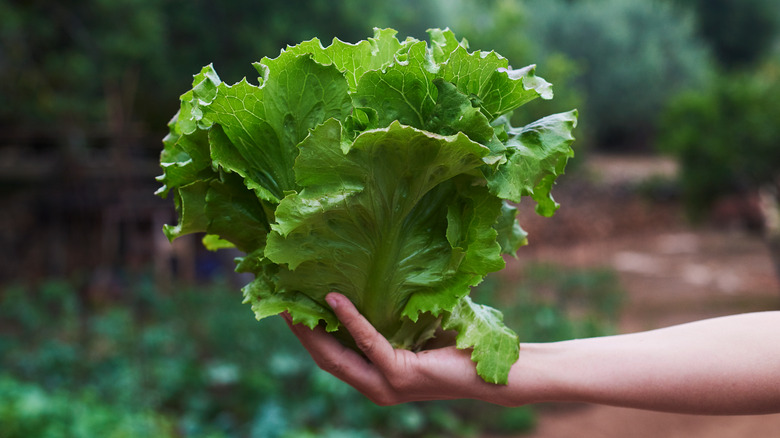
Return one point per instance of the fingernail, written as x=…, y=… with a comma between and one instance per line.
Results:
x=332, y=300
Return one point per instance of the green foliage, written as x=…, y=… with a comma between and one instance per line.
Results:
x=491, y=25
x=197, y=364
x=740, y=32
x=632, y=57
x=506, y=26
x=726, y=136
x=64, y=62
x=71, y=66
x=380, y=170
x=27, y=410
x=550, y=303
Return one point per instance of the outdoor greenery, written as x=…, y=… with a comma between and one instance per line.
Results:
x=630, y=58
x=115, y=65
x=726, y=137
x=412, y=168
x=90, y=346
x=739, y=33
x=197, y=364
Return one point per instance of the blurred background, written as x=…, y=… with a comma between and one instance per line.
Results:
x=669, y=210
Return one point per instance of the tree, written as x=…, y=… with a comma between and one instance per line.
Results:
x=727, y=141
x=105, y=65
x=740, y=32
x=87, y=87
x=633, y=56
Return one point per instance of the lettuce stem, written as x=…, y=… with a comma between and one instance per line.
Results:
x=380, y=304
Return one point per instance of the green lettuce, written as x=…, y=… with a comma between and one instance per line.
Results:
x=385, y=170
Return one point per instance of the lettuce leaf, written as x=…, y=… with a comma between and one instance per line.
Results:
x=385, y=170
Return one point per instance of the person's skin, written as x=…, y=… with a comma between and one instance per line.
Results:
x=727, y=365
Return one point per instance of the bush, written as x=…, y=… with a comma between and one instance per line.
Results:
x=633, y=56
x=27, y=411
x=740, y=32
x=197, y=364
x=551, y=303
x=726, y=136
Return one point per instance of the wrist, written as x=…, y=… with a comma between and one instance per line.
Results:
x=537, y=376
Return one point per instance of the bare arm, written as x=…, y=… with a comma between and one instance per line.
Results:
x=728, y=365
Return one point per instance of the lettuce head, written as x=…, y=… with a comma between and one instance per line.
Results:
x=385, y=170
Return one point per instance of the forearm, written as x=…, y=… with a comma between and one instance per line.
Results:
x=727, y=365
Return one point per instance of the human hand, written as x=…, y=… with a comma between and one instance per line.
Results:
x=676, y=369
x=390, y=376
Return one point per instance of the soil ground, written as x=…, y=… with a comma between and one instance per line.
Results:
x=672, y=273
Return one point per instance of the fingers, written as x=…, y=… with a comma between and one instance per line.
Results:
x=389, y=376
x=331, y=356
x=322, y=346
x=375, y=346
x=314, y=340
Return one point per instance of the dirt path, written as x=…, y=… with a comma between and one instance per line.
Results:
x=672, y=274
